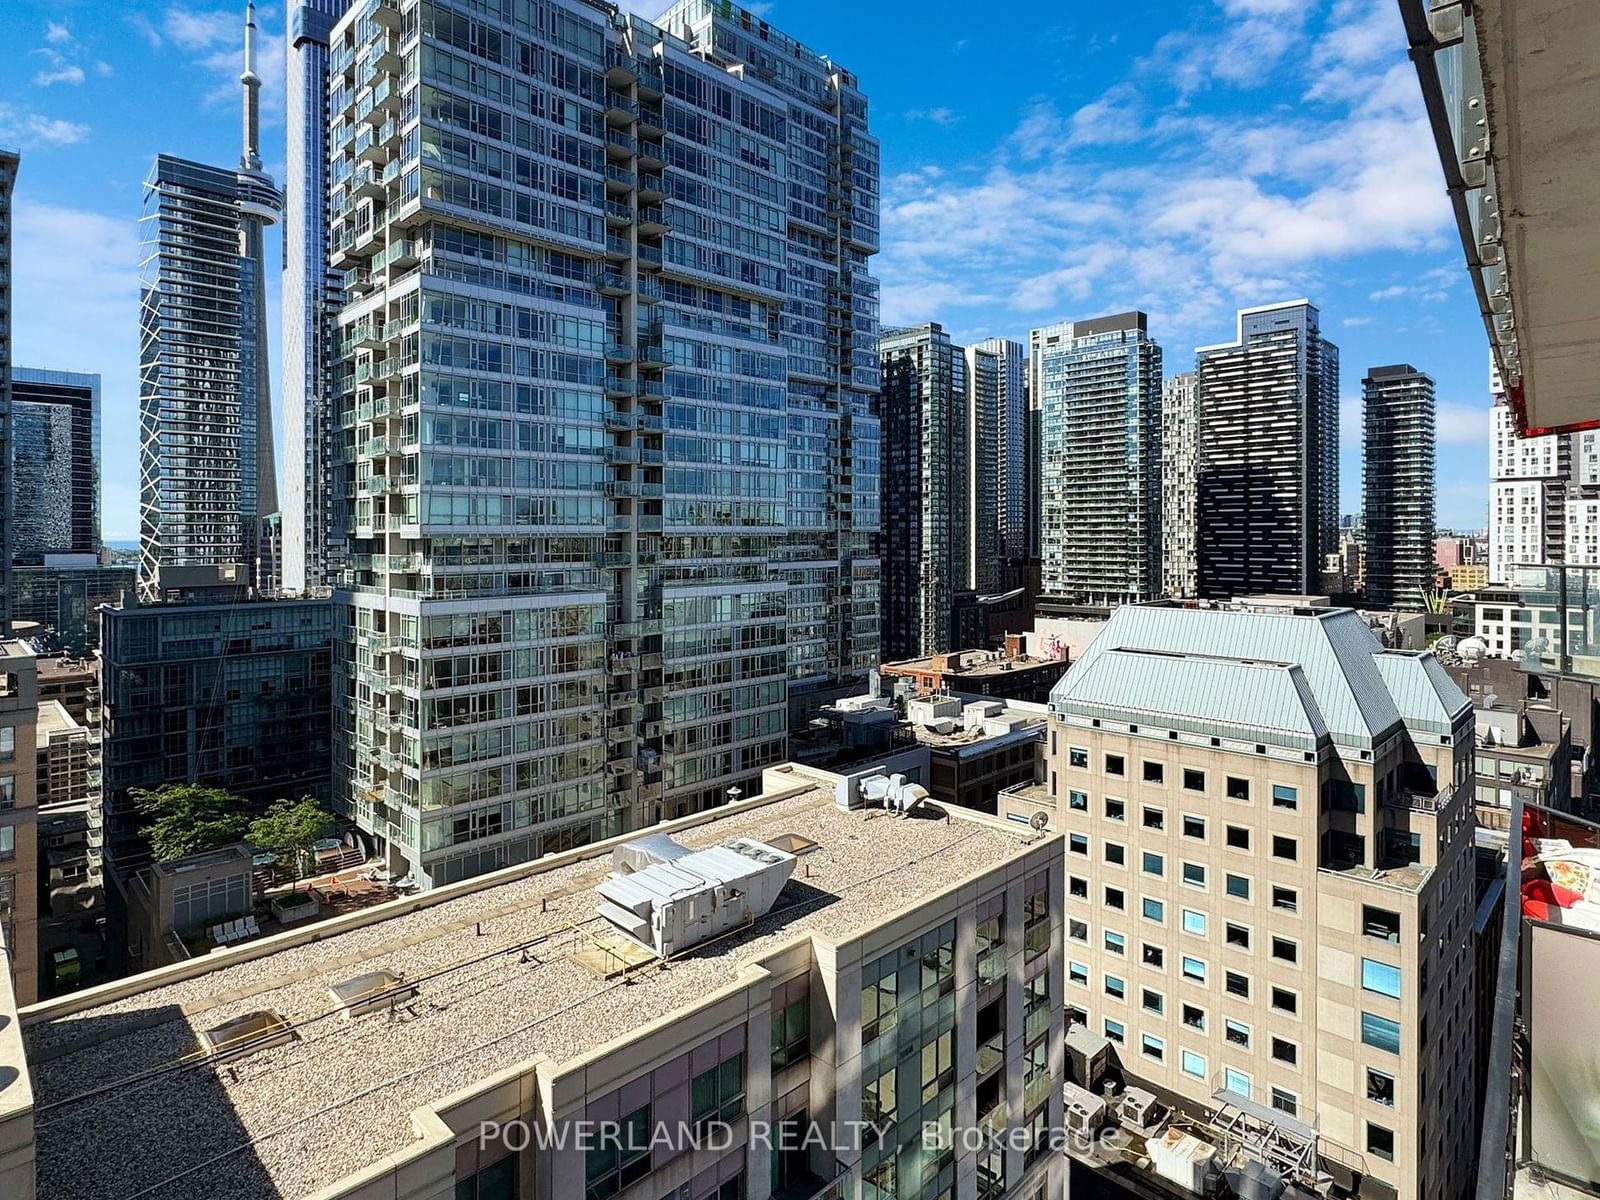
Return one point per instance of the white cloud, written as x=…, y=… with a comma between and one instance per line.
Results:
x=25, y=128
x=1392, y=292
x=58, y=69
x=56, y=33
x=1355, y=322
x=939, y=116
x=1458, y=424
x=191, y=30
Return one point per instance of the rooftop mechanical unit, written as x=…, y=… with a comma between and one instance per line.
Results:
x=670, y=898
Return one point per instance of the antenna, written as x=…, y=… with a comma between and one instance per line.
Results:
x=250, y=160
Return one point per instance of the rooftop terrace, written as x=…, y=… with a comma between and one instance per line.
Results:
x=130, y=1108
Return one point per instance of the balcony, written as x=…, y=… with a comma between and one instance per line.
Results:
x=1511, y=92
x=618, y=387
x=619, y=179
x=609, y=282
x=620, y=146
x=618, y=213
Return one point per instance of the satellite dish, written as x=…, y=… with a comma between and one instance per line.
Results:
x=1038, y=821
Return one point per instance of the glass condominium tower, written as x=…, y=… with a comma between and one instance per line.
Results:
x=207, y=471
x=310, y=301
x=9, y=161
x=606, y=388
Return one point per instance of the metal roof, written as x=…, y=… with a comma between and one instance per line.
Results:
x=1333, y=648
x=1427, y=697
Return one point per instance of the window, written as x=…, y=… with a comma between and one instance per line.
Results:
x=1238, y=837
x=1153, y=863
x=1116, y=987
x=1155, y=818
x=878, y=1006
x=1237, y=1033
x=1194, y=1017
x=1236, y=1082
x=878, y=1099
x=8, y=791
x=1381, y=978
x=1238, y=887
x=1194, y=969
x=1380, y=1141
x=8, y=841
x=1077, y=887
x=791, y=1033
x=1237, y=935
x=1077, y=756
x=1380, y=1088
x=1154, y=910
x=1115, y=765
x=1154, y=772
x=1285, y=1051
x=1194, y=874
x=1115, y=854
x=8, y=742
x=1077, y=930
x=1114, y=898
x=1380, y=1032
x=1078, y=801
x=1193, y=781
x=1078, y=843
x=1236, y=984
x=497, y=1182
x=1285, y=898
x=1193, y=1064
x=1285, y=1001
x=716, y=1096
x=1152, y=1001
x=1285, y=950
x=1116, y=943
x=1286, y=848
x=1152, y=956
x=1153, y=1046
x=1284, y=796
x=1194, y=922
x=1238, y=789
x=1380, y=923
x=1115, y=809
x=1285, y=1101
x=1078, y=973
x=1194, y=827
x=1116, y=1031
x=614, y=1163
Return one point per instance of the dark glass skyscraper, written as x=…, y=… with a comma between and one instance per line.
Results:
x=55, y=463
x=9, y=160
x=1267, y=492
x=1397, y=448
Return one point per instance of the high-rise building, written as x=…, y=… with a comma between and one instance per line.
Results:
x=1100, y=470
x=1270, y=881
x=1011, y=443
x=9, y=161
x=310, y=303
x=608, y=382
x=1544, y=494
x=985, y=498
x=1179, y=462
x=1267, y=500
x=207, y=471
x=927, y=478
x=912, y=983
x=19, y=826
x=1038, y=341
x=55, y=463
x=1398, y=484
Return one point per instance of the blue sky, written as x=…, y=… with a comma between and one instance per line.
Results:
x=1040, y=163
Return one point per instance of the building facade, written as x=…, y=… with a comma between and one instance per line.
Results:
x=1011, y=443
x=927, y=477
x=607, y=379
x=1270, y=879
x=1397, y=448
x=207, y=471
x=1267, y=499
x=19, y=818
x=1179, y=461
x=311, y=290
x=985, y=498
x=1100, y=467
x=63, y=597
x=9, y=161
x=55, y=464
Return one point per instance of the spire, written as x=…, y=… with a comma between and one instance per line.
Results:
x=251, y=159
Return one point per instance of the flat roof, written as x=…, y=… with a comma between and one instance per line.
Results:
x=117, y=1120
x=957, y=665
x=54, y=718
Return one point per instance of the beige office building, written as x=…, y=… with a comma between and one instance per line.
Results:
x=19, y=827
x=908, y=973
x=1270, y=882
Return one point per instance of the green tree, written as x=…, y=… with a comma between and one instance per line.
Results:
x=289, y=829
x=186, y=818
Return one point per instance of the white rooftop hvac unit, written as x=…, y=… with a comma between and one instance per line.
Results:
x=670, y=898
x=894, y=793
